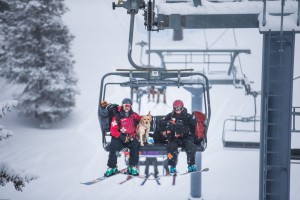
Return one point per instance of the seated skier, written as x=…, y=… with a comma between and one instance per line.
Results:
x=161, y=91
x=179, y=134
x=123, y=132
x=151, y=92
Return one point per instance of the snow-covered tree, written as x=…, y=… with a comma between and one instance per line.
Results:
x=3, y=7
x=37, y=55
x=8, y=174
x=6, y=106
x=18, y=177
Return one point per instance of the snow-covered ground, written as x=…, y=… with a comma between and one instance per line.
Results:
x=70, y=152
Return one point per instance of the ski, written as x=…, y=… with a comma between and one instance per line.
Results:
x=148, y=178
x=184, y=173
x=95, y=180
x=174, y=179
x=144, y=181
x=157, y=181
x=198, y=171
x=127, y=179
x=139, y=176
x=103, y=177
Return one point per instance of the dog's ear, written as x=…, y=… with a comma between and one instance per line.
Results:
x=149, y=114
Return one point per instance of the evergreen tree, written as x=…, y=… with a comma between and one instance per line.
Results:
x=3, y=7
x=7, y=173
x=6, y=106
x=37, y=55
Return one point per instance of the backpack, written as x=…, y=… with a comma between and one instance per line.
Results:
x=106, y=113
x=200, y=126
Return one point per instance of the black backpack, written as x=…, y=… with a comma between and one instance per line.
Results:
x=106, y=113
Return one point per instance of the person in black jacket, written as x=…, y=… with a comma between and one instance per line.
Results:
x=179, y=134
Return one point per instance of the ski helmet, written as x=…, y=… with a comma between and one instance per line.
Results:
x=127, y=101
x=178, y=105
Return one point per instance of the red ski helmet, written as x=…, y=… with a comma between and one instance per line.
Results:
x=178, y=105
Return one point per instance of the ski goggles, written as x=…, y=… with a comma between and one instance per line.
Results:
x=128, y=106
x=178, y=108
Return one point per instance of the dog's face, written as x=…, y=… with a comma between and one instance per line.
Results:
x=146, y=120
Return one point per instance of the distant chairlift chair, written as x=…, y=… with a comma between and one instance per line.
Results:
x=242, y=132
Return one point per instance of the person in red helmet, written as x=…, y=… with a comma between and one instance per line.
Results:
x=180, y=134
x=123, y=132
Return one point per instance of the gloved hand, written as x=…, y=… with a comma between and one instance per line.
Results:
x=103, y=104
x=179, y=127
x=169, y=137
x=171, y=127
x=203, y=145
x=123, y=137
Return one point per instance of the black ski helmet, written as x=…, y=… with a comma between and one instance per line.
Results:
x=127, y=101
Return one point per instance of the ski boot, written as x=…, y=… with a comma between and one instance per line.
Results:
x=173, y=170
x=111, y=171
x=132, y=170
x=192, y=168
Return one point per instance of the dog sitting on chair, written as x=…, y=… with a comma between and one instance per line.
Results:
x=143, y=128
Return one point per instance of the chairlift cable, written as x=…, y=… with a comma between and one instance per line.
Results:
x=206, y=43
x=218, y=38
x=235, y=41
x=296, y=78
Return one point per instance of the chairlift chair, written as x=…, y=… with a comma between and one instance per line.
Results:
x=168, y=78
x=241, y=132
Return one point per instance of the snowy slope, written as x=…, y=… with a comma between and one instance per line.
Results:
x=71, y=152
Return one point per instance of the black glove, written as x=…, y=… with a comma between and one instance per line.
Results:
x=170, y=137
x=179, y=127
x=171, y=127
x=123, y=137
x=163, y=125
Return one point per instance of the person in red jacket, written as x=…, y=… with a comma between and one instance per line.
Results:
x=123, y=132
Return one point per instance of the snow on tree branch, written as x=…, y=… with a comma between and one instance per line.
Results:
x=17, y=177
x=4, y=134
x=6, y=106
x=7, y=174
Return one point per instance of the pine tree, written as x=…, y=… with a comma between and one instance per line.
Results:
x=6, y=106
x=8, y=174
x=37, y=55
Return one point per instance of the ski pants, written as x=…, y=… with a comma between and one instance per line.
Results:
x=187, y=144
x=116, y=145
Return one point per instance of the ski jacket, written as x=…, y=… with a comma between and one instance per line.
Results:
x=183, y=122
x=124, y=124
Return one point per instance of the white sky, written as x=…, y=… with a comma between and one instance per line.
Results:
x=71, y=151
